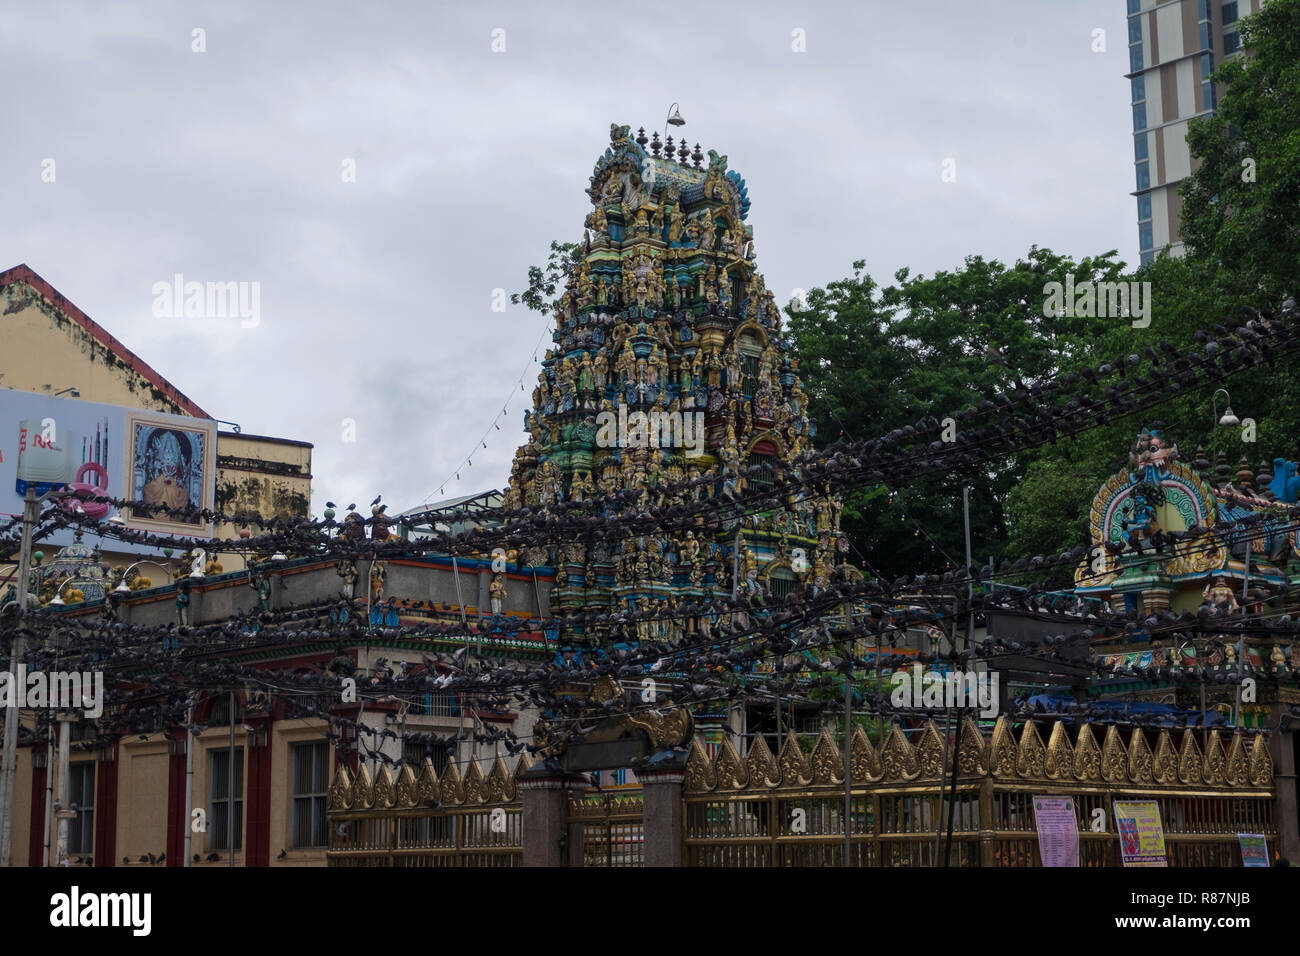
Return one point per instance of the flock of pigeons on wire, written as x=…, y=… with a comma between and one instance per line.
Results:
x=1024, y=417
x=781, y=653
x=800, y=647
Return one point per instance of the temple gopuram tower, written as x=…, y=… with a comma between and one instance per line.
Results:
x=669, y=366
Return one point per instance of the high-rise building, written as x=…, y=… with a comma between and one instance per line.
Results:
x=1174, y=46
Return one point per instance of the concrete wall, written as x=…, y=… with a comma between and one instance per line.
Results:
x=302, y=584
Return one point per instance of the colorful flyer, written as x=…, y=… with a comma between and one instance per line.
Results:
x=1254, y=849
x=1058, y=830
x=1141, y=837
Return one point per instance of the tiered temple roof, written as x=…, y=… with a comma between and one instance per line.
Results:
x=668, y=366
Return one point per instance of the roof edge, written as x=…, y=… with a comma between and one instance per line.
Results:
x=24, y=273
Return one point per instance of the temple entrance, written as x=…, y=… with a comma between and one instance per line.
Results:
x=608, y=826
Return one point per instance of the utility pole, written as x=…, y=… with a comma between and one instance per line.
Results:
x=230, y=785
x=189, y=784
x=880, y=681
x=9, y=762
x=63, y=810
x=952, y=786
x=848, y=741
x=49, y=793
x=943, y=781
x=970, y=584
x=848, y=766
x=1241, y=640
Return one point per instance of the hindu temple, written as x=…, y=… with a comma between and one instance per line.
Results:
x=669, y=377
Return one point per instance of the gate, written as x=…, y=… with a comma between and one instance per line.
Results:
x=612, y=828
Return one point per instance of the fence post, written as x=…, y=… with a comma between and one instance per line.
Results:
x=663, y=817
x=544, y=791
x=986, y=821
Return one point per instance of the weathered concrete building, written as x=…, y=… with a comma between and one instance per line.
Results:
x=52, y=347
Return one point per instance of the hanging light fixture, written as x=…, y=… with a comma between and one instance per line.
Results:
x=1229, y=419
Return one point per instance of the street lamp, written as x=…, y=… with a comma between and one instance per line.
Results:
x=123, y=588
x=1228, y=418
x=57, y=600
x=674, y=119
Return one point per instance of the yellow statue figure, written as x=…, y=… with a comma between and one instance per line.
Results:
x=1220, y=596
x=497, y=592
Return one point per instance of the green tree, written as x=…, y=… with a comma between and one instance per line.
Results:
x=874, y=359
x=545, y=281
x=1241, y=206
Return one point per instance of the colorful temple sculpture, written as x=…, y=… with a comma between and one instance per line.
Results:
x=669, y=368
x=1200, y=546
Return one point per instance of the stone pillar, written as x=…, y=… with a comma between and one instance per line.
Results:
x=663, y=819
x=547, y=840
x=1282, y=748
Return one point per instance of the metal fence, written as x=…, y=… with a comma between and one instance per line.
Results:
x=789, y=809
x=426, y=821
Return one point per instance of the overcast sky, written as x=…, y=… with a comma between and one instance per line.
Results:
x=376, y=295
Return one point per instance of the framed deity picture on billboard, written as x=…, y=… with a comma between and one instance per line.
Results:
x=171, y=470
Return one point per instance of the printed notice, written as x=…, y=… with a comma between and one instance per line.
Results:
x=1058, y=830
x=1254, y=849
x=1141, y=837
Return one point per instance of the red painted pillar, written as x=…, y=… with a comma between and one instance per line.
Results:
x=35, y=836
x=257, y=834
x=176, y=819
x=106, y=807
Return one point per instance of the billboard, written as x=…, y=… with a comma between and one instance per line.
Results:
x=108, y=450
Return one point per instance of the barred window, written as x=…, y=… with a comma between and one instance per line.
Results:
x=415, y=752
x=220, y=828
x=310, y=784
x=781, y=582
x=762, y=481
x=219, y=716
x=81, y=799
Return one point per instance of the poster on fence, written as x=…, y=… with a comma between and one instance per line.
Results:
x=1058, y=830
x=1141, y=837
x=1254, y=849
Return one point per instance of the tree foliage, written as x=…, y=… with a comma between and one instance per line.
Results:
x=546, y=282
x=874, y=359
x=1241, y=205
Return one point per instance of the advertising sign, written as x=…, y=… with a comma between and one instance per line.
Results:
x=108, y=450
x=1141, y=836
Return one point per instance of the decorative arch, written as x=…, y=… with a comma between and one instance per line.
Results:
x=1185, y=491
x=748, y=326
x=772, y=439
x=776, y=564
